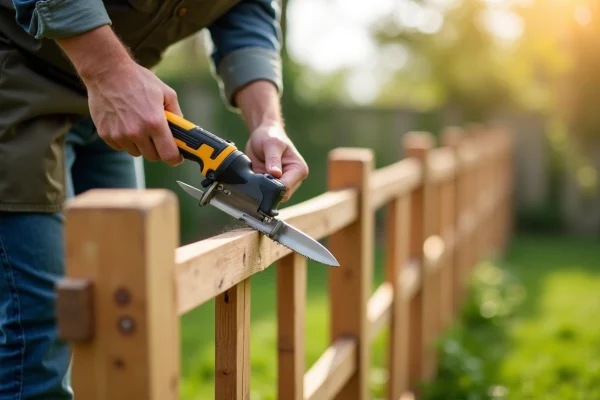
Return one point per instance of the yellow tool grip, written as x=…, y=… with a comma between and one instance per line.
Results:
x=198, y=144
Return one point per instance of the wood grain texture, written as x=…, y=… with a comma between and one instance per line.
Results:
x=291, y=313
x=397, y=235
x=452, y=137
x=417, y=145
x=350, y=284
x=123, y=241
x=232, y=343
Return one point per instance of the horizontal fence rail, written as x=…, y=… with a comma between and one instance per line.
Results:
x=128, y=282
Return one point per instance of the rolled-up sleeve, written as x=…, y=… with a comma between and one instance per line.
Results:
x=247, y=45
x=55, y=19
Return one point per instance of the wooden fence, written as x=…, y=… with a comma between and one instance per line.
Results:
x=128, y=282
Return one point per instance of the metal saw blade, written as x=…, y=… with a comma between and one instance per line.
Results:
x=277, y=230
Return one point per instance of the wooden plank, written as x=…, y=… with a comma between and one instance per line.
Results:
x=207, y=268
x=331, y=371
x=123, y=241
x=442, y=164
x=350, y=284
x=417, y=145
x=411, y=279
x=397, y=233
x=393, y=181
x=453, y=137
x=232, y=343
x=447, y=210
x=379, y=309
x=291, y=312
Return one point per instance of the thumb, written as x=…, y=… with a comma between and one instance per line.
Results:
x=273, y=153
x=171, y=102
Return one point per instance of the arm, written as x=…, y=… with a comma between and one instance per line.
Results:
x=247, y=42
x=127, y=101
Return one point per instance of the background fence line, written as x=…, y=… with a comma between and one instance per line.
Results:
x=128, y=282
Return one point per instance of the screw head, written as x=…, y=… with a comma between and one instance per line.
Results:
x=126, y=325
x=122, y=296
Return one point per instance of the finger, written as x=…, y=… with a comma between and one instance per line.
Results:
x=147, y=148
x=111, y=143
x=171, y=103
x=290, y=191
x=165, y=144
x=274, y=150
x=130, y=147
x=294, y=175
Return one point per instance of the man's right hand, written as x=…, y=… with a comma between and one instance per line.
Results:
x=127, y=101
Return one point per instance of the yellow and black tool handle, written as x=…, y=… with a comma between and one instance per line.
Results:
x=221, y=161
x=199, y=145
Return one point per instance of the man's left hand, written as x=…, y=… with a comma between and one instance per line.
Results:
x=271, y=151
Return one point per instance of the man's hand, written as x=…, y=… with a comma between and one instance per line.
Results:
x=269, y=148
x=127, y=101
x=271, y=151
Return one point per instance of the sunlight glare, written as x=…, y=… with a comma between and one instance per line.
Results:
x=409, y=14
x=320, y=37
x=363, y=86
x=583, y=15
x=504, y=24
x=393, y=57
x=359, y=11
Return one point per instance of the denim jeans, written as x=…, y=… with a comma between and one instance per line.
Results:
x=34, y=363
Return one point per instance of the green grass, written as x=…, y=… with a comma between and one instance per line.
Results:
x=529, y=329
x=198, y=337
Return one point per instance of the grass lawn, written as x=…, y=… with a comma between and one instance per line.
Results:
x=529, y=329
x=198, y=337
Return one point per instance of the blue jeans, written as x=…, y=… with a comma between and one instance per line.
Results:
x=34, y=363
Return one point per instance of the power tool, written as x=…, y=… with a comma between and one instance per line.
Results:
x=230, y=185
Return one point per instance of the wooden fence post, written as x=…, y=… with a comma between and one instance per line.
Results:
x=496, y=183
x=232, y=343
x=291, y=311
x=350, y=284
x=469, y=190
x=474, y=137
x=123, y=243
x=508, y=167
x=397, y=234
x=417, y=145
x=452, y=137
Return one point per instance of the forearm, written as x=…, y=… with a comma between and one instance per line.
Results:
x=247, y=44
x=95, y=52
x=259, y=103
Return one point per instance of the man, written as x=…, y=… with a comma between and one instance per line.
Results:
x=77, y=104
